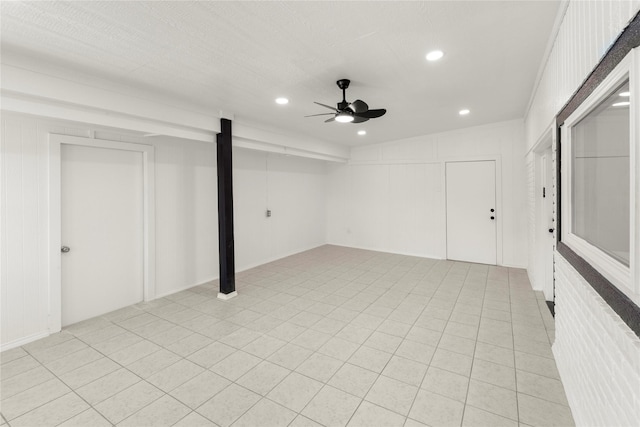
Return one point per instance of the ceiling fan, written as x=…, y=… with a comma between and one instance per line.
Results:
x=349, y=112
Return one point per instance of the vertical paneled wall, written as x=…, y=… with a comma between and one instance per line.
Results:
x=297, y=198
x=186, y=214
x=293, y=189
x=387, y=207
x=586, y=32
x=390, y=197
x=186, y=224
x=535, y=276
x=598, y=356
x=23, y=224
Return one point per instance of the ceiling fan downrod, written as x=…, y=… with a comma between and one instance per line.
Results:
x=344, y=85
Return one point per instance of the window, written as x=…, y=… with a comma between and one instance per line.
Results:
x=600, y=179
x=598, y=172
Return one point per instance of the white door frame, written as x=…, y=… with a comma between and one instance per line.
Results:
x=498, y=186
x=541, y=243
x=55, y=218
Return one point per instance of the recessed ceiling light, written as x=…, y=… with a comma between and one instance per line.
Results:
x=282, y=101
x=464, y=112
x=362, y=132
x=627, y=93
x=435, y=55
x=621, y=104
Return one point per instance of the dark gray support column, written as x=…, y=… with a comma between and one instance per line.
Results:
x=225, y=212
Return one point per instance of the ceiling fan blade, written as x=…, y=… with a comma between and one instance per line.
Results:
x=326, y=106
x=358, y=106
x=323, y=114
x=332, y=119
x=372, y=114
x=357, y=119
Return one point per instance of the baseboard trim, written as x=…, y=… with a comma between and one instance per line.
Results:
x=276, y=258
x=522, y=267
x=183, y=288
x=386, y=251
x=419, y=255
x=239, y=270
x=24, y=340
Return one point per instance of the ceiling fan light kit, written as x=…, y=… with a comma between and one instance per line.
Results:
x=344, y=117
x=349, y=112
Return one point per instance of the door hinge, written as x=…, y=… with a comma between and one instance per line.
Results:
x=544, y=192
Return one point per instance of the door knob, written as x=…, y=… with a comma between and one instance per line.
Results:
x=493, y=217
x=492, y=210
x=551, y=230
x=65, y=249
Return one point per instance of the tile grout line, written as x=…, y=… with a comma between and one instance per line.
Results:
x=474, y=348
x=513, y=338
x=360, y=346
x=71, y=390
x=475, y=345
x=109, y=397
x=363, y=399
x=393, y=276
x=436, y=346
x=293, y=370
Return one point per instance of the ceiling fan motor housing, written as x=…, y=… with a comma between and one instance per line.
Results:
x=343, y=83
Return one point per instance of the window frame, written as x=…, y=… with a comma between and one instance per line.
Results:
x=626, y=279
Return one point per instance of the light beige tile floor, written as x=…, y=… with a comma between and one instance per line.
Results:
x=331, y=337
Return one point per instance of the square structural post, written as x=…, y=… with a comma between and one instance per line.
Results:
x=225, y=212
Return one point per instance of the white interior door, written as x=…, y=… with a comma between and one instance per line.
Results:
x=102, y=225
x=547, y=224
x=471, y=211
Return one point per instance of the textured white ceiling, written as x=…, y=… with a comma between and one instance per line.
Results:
x=239, y=56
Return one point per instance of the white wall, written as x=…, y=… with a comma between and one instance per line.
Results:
x=186, y=217
x=293, y=188
x=535, y=273
x=598, y=356
x=390, y=197
x=186, y=213
x=23, y=232
x=541, y=211
x=585, y=34
x=33, y=87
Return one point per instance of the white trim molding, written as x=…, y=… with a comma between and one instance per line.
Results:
x=499, y=214
x=32, y=92
x=617, y=273
x=55, y=232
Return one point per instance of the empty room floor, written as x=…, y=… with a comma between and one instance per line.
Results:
x=333, y=336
